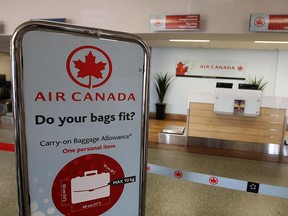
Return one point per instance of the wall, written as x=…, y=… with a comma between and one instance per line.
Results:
x=5, y=65
x=270, y=64
x=217, y=16
x=282, y=75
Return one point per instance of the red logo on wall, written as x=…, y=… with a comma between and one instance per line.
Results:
x=181, y=69
x=89, y=66
x=157, y=22
x=240, y=68
x=259, y=21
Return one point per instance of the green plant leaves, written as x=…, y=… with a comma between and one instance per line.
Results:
x=257, y=81
x=162, y=83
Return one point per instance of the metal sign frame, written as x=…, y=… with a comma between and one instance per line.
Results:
x=18, y=99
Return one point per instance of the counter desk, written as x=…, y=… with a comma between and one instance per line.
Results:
x=237, y=119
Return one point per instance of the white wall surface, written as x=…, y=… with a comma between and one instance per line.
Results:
x=270, y=64
x=281, y=86
x=217, y=16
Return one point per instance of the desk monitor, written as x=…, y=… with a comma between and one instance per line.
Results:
x=248, y=86
x=224, y=85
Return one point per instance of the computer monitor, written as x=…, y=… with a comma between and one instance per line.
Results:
x=224, y=85
x=247, y=86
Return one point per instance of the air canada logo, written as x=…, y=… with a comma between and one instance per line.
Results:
x=157, y=22
x=213, y=180
x=89, y=66
x=259, y=21
x=240, y=68
x=178, y=174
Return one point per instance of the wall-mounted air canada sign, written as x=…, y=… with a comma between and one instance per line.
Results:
x=80, y=120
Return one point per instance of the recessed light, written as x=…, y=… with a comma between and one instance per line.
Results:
x=272, y=42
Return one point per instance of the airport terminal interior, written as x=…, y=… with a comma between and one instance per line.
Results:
x=220, y=147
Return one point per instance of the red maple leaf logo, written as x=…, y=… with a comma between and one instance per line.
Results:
x=259, y=21
x=178, y=174
x=89, y=73
x=240, y=68
x=90, y=68
x=213, y=180
x=181, y=69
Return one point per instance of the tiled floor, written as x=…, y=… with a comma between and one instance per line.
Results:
x=8, y=185
x=169, y=197
x=8, y=189
x=6, y=136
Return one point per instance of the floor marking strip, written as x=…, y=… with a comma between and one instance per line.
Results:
x=218, y=181
x=7, y=147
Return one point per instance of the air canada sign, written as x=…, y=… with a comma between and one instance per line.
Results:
x=222, y=67
x=211, y=69
x=88, y=96
x=89, y=67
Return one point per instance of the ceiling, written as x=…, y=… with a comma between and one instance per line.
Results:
x=225, y=41
x=222, y=41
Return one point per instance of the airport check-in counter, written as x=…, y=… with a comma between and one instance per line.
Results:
x=238, y=119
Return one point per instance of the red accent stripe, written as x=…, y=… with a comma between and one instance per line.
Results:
x=7, y=147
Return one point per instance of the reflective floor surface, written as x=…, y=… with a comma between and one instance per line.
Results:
x=169, y=196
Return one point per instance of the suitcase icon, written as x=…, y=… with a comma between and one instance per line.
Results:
x=91, y=186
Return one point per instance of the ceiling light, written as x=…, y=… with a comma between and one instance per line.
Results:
x=196, y=41
x=272, y=42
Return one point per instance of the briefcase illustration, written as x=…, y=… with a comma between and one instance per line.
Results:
x=91, y=186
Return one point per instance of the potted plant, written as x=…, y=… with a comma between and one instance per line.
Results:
x=162, y=82
x=257, y=81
